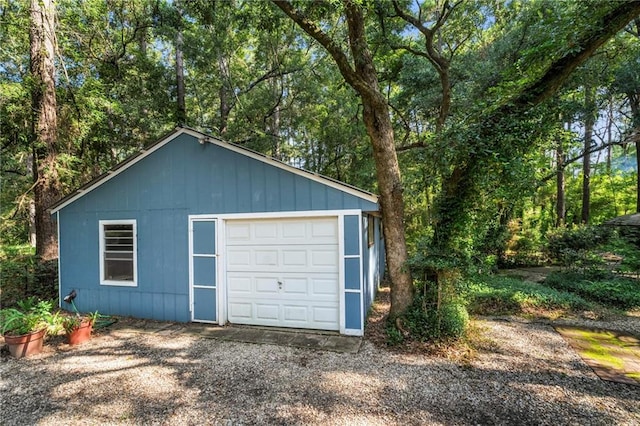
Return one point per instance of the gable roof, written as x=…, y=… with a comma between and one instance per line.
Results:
x=204, y=138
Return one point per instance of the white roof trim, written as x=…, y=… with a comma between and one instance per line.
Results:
x=210, y=139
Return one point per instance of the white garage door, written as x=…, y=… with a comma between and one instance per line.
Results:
x=283, y=272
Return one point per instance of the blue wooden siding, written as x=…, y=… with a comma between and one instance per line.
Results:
x=181, y=178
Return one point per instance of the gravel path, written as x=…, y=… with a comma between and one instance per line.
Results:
x=524, y=374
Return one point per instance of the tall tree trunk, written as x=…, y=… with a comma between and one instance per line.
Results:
x=377, y=121
x=609, y=133
x=364, y=80
x=638, y=175
x=225, y=94
x=560, y=185
x=43, y=97
x=586, y=159
x=181, y=111
x=273, y=123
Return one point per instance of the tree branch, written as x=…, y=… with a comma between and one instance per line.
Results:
x=273, y=73
x=15, y=172
x=560, y=70
x=313, y=30
x=572, y=160
x=411, y=146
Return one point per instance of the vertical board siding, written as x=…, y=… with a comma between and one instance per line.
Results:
x=179, y=179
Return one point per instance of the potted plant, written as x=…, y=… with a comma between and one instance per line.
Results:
x=79, y=327
x=24, y=327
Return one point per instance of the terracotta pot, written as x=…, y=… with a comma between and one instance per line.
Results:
x=26, y=344
x=80, y=334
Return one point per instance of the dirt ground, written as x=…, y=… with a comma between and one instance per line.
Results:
x=518, y=373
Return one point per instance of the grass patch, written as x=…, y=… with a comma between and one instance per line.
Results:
x=498, y=295
x=606, y=289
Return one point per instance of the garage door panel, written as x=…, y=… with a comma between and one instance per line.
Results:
x=323, y=258
x=315, y=286
x=269, y=312
x=294, y=258
x=325, y=315
x=324, y=286
x=294, y=231
x=238, y=258
x=240, y=310
x=295, y=313
x=326, y=229
x=284, y=272
x=317, y=258
x=265, y=230
x=295, y=285
x=239, y=284
x=238, y=232
x=266, y=285
x=278, y=231
x=265, y=257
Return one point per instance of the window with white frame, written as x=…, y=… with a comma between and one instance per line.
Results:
x=118, y=252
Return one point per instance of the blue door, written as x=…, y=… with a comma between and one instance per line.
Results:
x=203, y=270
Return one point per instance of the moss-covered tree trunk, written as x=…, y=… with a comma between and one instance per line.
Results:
x=458, y=195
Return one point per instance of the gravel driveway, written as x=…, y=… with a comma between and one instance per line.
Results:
x=525, y=374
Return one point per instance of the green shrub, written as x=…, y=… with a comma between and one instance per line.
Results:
x=576, y=247
x=454, y=320
x=22, y=275
x=625, y=250
x=423, y=321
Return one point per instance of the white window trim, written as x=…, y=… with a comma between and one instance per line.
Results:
x=133, y=283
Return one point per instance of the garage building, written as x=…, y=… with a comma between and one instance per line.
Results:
x=193, y=228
